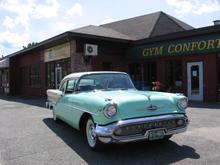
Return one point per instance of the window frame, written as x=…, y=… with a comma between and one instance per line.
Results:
x=67, y=82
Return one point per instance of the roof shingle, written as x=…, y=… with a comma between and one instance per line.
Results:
x=149, y=25
x=101, y=31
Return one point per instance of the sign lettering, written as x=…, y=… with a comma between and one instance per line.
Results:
x=201, y=44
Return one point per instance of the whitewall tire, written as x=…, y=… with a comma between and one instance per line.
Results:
x=55, y=119
x=91, y=137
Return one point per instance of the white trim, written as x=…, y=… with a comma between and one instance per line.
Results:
x=60, y=76
x=198, y=97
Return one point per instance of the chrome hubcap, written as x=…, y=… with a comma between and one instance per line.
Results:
x=90, y=133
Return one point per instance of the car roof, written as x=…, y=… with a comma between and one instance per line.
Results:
x=80, y=74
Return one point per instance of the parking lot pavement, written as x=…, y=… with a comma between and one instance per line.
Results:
x=29, y=136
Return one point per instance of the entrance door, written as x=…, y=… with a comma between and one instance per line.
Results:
x=195, y=81
x=58, y=76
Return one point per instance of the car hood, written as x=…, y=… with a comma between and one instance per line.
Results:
x=133, y=103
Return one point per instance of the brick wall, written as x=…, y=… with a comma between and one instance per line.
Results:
x=209, y=72
x=78, y=63
x=16, y=88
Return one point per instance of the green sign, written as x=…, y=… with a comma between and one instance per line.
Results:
x=195, y=45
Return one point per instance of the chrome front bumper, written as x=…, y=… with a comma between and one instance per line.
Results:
x=106, y=133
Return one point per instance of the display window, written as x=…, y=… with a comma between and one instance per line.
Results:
x=56, y=71
x=174, y=76
x=30, y=76
x=4, y=81
x=143, y=74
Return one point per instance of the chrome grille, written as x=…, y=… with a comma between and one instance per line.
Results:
x=141, y=128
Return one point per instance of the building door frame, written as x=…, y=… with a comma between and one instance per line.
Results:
x=58, y=76
x=195, y=80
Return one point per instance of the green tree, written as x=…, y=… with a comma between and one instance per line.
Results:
x=30, y=45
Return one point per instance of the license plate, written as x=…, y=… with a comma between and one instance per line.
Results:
x=156, y=134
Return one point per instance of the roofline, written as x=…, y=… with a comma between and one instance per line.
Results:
x=55, y=38
x=72, y=35
x=155, y=23
x=68, y=35
x=181, y=34
x=126, y=19
x=91, y=36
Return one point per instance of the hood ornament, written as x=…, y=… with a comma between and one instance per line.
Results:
x=151, y=107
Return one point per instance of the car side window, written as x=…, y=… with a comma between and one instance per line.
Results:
x=70, y=86
x=63, y=86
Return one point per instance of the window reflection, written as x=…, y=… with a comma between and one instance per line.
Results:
x=195, y=80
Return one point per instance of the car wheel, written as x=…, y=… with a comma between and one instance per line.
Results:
x=91, y=137
x=166, y=138
x=55, y=119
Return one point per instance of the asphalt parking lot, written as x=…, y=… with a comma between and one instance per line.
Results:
x=29, y=136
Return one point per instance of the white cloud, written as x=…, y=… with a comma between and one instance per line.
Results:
x=46, y=11
x=29, y=8
x=17, y=32
x=75, y=10
x=5, y=50
x=194, y=6
x=56, y=27
x=62, y=26
x=22, y=10
x=8, y=22
x=15, y=39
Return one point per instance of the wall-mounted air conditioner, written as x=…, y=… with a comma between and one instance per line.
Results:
x=90, y=50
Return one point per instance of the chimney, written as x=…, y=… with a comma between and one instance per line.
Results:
x=216, y=22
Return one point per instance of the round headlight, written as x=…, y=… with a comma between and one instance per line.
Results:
x=182, y=103
x=110, y=110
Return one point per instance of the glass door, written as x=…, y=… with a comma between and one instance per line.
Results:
x=195, y=81
x=58, y=76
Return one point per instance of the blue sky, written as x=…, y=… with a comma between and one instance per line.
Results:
x=24, y=21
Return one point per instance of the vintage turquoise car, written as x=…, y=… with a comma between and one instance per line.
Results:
x=109, y=109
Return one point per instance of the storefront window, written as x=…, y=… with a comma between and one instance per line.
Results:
x=174, y=76
x=4, y=81
x=25, y=76
x=150, y=71
x=136, y=75
x=195, y=80
x=30, y=76
x=35, y=76
x=135, y=71
x=143, y=74
x=56, y=70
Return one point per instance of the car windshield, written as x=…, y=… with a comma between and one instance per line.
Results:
x=105, y=81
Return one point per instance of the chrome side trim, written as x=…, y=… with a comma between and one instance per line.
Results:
x=108, y=130
x=80, y=109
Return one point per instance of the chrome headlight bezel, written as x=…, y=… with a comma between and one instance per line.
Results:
x=182, y=104
x=110, y=110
